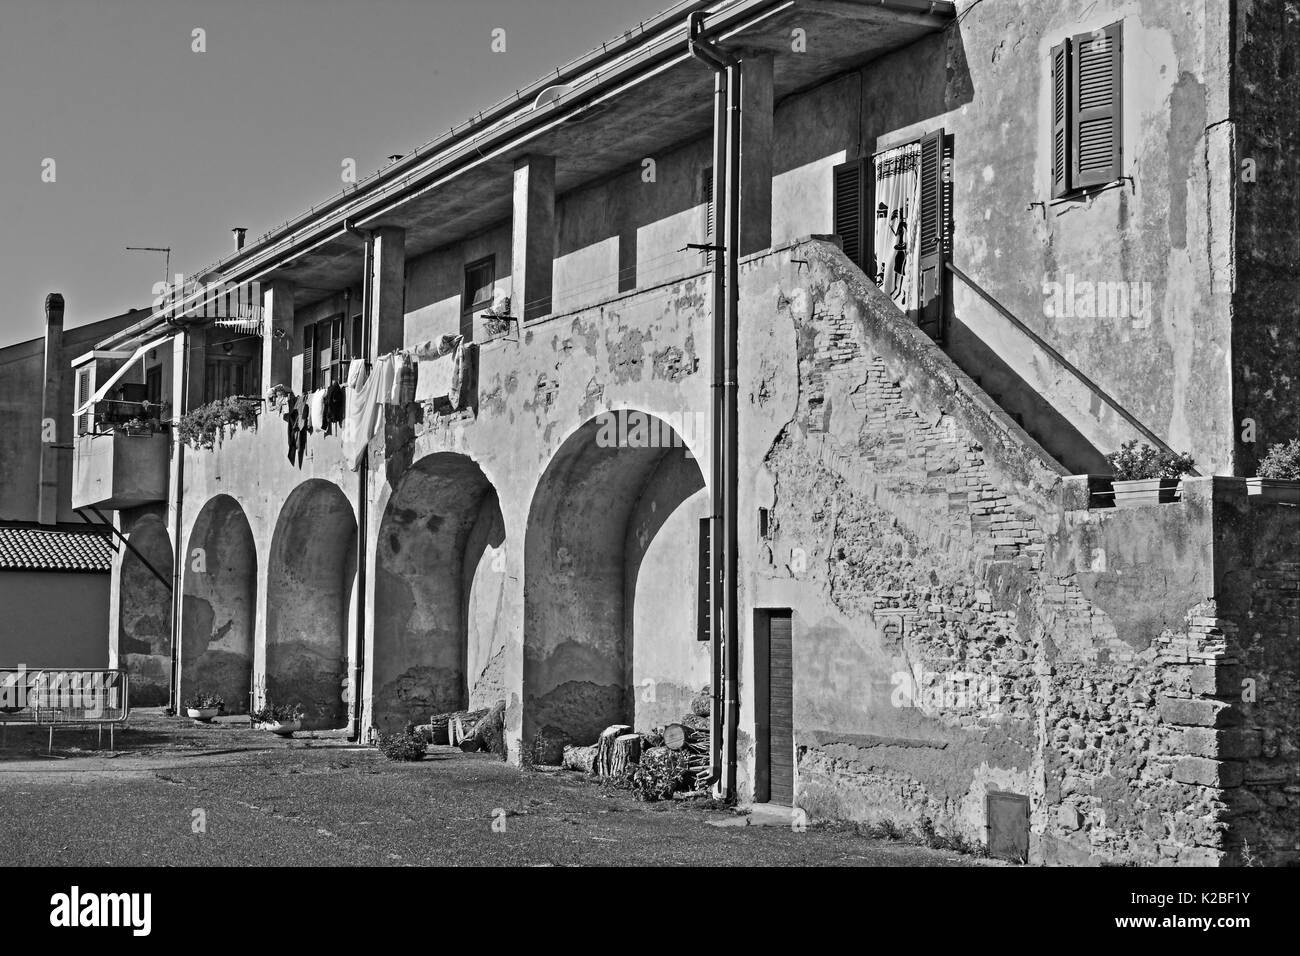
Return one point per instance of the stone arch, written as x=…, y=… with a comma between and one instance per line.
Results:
x=219, y=603
x=143, y=636
x=439, y=592
x=610, y=561
x=310, y=575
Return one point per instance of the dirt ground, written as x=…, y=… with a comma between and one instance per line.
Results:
x=176, y=793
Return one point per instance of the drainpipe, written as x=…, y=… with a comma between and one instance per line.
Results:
x=723, y=565
x=363, y=482
x=178, y=553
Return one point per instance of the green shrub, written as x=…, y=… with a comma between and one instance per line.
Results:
x=201, y=700
x=660, y=773
x=202, y=427
x=406, y=745
x=1133, y=462
x=1282, y=461
x=270, y=713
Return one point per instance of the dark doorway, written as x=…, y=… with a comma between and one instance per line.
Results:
x=774, y=707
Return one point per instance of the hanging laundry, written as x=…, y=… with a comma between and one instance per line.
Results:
x=435, y=348
x=404, y=379
x=290, y=417
x=335, y=407
x=434, y=378
x=318, y=409
x=365, y=407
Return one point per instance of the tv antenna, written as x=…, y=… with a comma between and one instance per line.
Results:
x=167, y=267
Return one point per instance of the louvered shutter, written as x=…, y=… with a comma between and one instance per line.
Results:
x=1061, y=159
x=1095, y=122
x=83, y=394
x=847, y=200
x=932, y=234
x=308, y=359
x=710, y=222
x=704, y=593
x=336, y=350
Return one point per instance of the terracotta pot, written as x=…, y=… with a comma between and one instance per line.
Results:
x=1275, y=489
x=1146, y=491
x=203, y=714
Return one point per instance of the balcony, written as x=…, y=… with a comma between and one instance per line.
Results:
x=124, y=462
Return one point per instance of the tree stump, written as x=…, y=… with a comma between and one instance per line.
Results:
x=488, y=733
x=579, y=758
x=626, y=753
x=605, y=748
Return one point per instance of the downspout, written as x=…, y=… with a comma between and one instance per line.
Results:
x=363, y=482
x=723, y=479
x=178, y=553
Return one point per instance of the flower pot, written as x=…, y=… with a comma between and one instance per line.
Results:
x=1275, y=489
x=1146, y=491
x=283, y=728
x=202, y=714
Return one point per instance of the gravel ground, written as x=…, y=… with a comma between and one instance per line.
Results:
x=318, y=801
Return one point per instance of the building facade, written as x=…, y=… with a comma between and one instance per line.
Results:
x=54, y=568
x=972, y=248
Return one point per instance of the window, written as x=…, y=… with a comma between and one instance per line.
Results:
x=917, y=224
x=153, y=385
x=325, y=353
x=224, y=377
x=480, y=276
x=1087, y=80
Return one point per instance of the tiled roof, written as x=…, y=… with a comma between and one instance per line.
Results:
x=47, y=549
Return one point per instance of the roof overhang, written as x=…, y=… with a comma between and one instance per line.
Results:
x=616, y=106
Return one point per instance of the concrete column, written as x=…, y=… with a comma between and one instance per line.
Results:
x=52, y=424
x=755, y=153
x=532, y=259
x=388, y=290
x=277, y=334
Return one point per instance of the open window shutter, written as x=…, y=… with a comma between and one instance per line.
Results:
x=704, y=592
x=848, y=201
x=83, y=394
x=711, y=218
x=336, y=350
x=1095, y=116
x=1061, y=162
x=932, y=233
x=308, y=359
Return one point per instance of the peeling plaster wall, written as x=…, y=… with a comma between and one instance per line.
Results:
x=219, y=605
x=311, y=570
x=986, y=82
x=140, y=634
x=960, y=625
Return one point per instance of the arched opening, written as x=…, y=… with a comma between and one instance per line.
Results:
x=610, y=583
x=143, y=634
x=439, y=586
x=219, y=601
x=312, y=567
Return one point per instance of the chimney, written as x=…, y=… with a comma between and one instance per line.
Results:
x=239, y=237
x=52, y=424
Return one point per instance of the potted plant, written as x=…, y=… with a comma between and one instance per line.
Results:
x=1146, y=475
x=203, y=706
x=1278, y=475
x=280, y=719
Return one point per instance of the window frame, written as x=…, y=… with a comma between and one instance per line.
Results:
x=468, y=305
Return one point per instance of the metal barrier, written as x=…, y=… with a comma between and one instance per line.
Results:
x=56, y=697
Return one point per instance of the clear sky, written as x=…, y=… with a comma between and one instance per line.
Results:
x=155, y=144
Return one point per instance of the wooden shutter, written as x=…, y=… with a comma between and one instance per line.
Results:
x=336, y=350
x=704, y=593
x=710, y=215
x=1061, y=162
x=308, y=359
x=849, y=221
x=83, y=395
x=1095, y=116
x=932, y=232
x=781, y=709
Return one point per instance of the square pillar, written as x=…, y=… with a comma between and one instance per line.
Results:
x=388, y=291
x=755, y=153
x=277, y=334
x=532, y=257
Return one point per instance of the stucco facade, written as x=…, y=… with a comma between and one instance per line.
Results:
x=917, y=506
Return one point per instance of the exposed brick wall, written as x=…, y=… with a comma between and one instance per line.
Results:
x=1092, y=664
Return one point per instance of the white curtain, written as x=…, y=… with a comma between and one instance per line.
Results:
x=898, y=195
